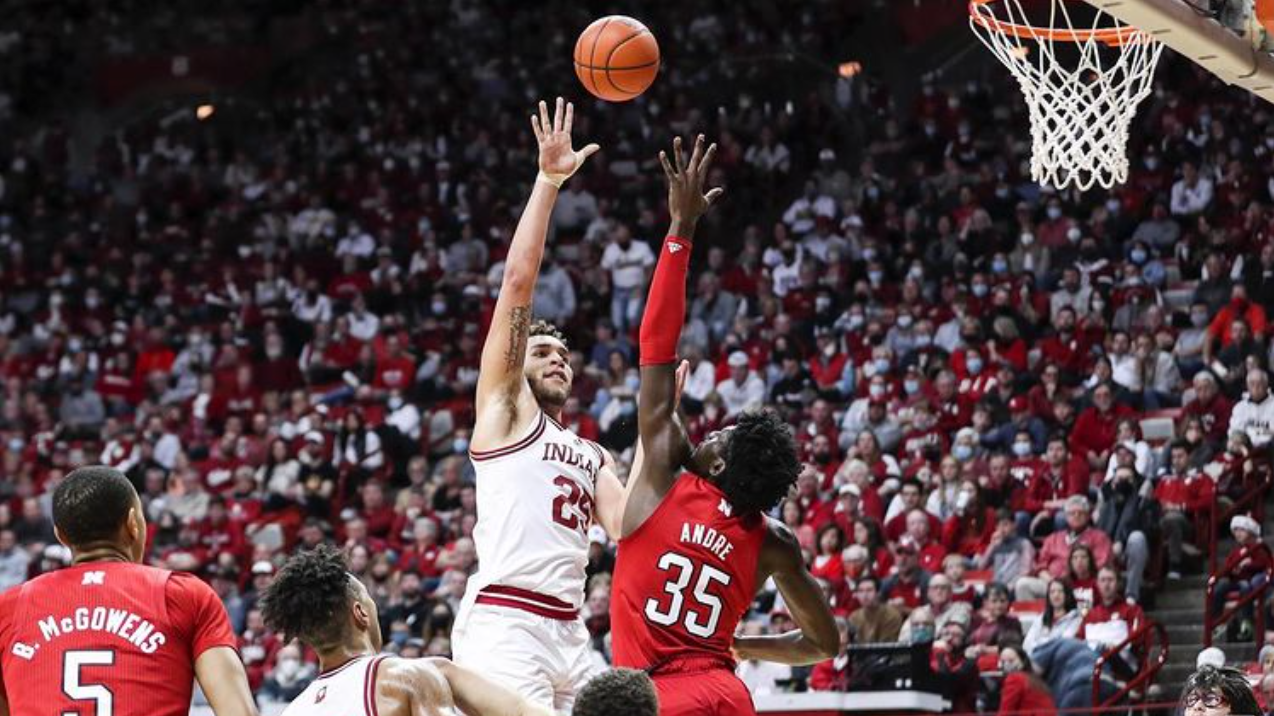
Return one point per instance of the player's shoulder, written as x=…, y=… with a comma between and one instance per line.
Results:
x=780, y=546
x=403, y=680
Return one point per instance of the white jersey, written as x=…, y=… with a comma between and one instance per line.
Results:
x=347, y=690
x=1255, y=419
x=535, y=505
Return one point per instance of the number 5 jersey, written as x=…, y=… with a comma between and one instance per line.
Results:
x=684, y=579
x=107, y=639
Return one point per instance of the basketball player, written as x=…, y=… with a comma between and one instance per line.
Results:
x=108, y=636
x=694, y=549
x=315, y=599
x=539, y=486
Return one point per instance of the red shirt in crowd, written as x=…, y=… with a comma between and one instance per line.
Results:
x=1095, y=431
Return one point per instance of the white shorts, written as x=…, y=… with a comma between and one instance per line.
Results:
x=545, y=660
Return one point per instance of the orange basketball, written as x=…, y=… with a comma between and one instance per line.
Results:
x=616, y=58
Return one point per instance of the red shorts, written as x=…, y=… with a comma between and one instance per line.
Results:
x=715, y=692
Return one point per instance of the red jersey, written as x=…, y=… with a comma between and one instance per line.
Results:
x=107, y=638
x=684, y=579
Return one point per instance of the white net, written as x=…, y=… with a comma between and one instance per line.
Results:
x=1082, y=85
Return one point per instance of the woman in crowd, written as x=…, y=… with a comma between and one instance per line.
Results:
x=868, y=533
x=827, y=564
x=969, y=530
x=1023, y=693
x=1081, y=575
x=1060, y=619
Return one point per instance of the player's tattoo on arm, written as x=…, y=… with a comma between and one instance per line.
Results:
x=519, y=327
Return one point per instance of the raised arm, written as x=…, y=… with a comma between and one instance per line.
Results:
x=502, y=388
x=663, y=439
x=815, y=639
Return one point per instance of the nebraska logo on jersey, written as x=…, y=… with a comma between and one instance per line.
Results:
x=322, y=694
x=725, y=507
x=93, y=579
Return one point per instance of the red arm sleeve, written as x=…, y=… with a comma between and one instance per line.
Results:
x=193, y=604
x=666, y=304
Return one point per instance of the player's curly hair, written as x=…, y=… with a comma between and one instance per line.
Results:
x=621, y=692
x=760, y=463
x=308, y=598
x=544, y=328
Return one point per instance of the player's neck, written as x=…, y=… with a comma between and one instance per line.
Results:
x=554, y=412
x=100, y=553
x=342, y=655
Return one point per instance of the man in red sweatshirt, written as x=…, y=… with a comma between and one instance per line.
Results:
x=1181, y=493
x=1094, y=434
x=1247, y=567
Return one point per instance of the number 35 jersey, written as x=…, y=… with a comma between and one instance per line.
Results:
x=535, y=505
x=107, y=639
x=684, y=579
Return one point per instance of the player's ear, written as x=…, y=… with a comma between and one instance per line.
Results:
x=57, y=532
x=717, y=466
x=362, y=617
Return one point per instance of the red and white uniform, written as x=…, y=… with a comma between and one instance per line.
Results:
x=107, y=638
x=683, y=581
x=347, y=690
x=519, y=621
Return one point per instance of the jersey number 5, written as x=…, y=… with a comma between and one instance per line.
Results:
x=695, y=622
x=102, y=698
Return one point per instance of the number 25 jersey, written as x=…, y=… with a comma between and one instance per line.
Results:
x=107, y=639
x=684, y=579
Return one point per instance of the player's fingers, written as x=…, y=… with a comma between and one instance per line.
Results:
x=570, y=117
x=588, y=151
x=668, y=170
x=535, y=125
x=706, y=162
x=559, y=115
x=695, y=155
x=545, y=122
x=678, y=155
x=713, y=195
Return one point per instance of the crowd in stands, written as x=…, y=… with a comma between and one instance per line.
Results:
x=1011, y=401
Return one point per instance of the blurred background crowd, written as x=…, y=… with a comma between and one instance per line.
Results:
x=269, y=315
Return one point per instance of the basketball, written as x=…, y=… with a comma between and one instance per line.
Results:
x=616, y=58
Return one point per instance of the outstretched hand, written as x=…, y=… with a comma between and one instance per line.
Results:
x=558, y=160
x=686, y=198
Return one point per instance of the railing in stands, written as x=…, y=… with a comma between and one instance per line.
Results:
x=1256, y=595
x=1147, y=673
x=1254, y=497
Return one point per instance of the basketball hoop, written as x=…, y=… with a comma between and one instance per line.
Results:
x=1081, y=103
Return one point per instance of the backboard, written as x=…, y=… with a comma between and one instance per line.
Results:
x=1193, y=33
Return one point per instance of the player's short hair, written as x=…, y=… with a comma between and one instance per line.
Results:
x=760, y=462
x=309, y=597
x=621, y=692
x=92, y=503
x=544, y=328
